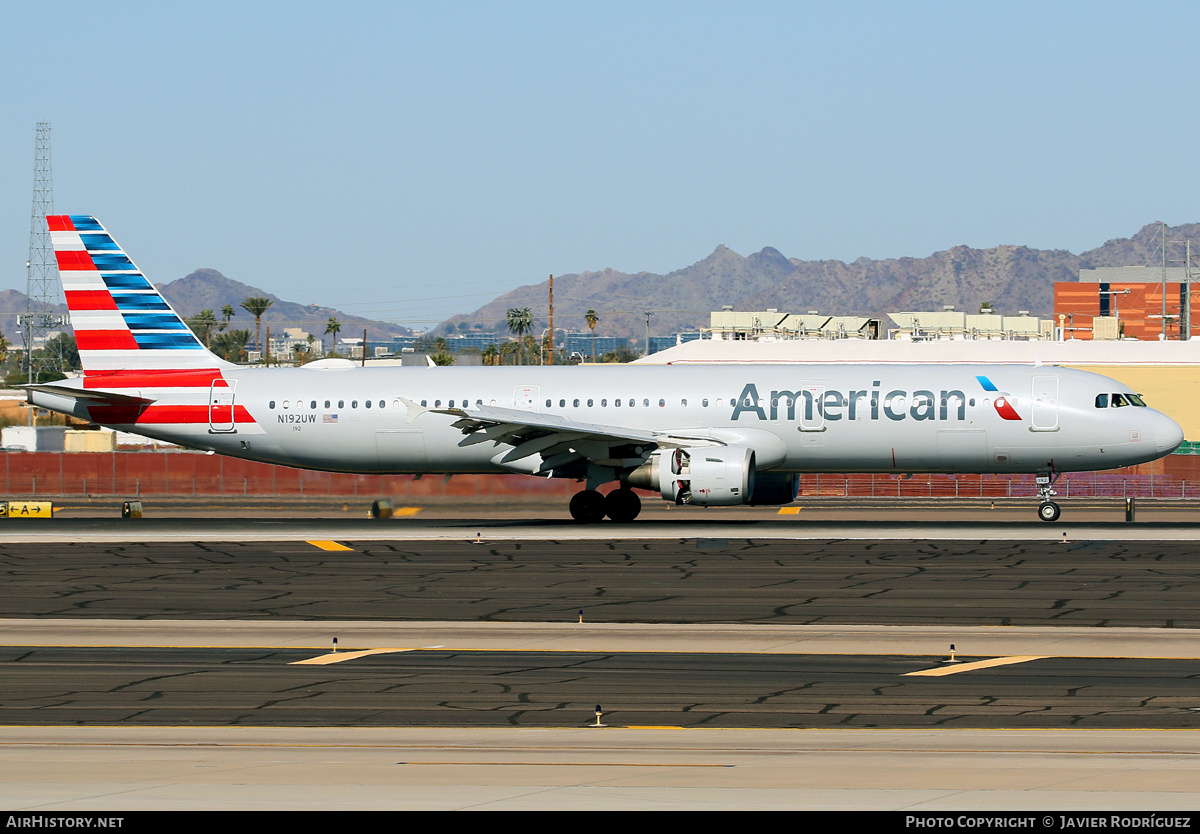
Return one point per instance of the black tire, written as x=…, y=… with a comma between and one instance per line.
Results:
x=622, y=505
x=587, y=506
x=1049, y=511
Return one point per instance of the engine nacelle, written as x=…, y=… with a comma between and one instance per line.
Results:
x=775, y=488
x=709, y=476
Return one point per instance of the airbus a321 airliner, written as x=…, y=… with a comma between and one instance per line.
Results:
x=709, y=436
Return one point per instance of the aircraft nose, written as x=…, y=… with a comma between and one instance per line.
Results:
x=1167, y=434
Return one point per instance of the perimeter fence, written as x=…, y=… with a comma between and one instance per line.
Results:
x=182, y=474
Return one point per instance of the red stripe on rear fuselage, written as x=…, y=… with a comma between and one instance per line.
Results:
x=124, y=415
x=205, y=378
x=59, y=223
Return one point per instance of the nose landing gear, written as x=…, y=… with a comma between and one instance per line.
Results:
x=1048, y=510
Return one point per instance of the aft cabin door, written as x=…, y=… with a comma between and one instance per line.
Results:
x=220, y=407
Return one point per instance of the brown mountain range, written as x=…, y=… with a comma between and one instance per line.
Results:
x=1011, y=277
x=208, y=289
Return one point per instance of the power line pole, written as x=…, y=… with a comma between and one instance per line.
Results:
x=42, y=288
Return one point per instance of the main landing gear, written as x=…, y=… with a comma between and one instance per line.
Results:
x=621, y=505
x=1048, y=510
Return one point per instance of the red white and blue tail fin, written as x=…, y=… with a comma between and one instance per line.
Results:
x=121, y=321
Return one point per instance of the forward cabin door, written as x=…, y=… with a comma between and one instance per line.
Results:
x=1045, y=403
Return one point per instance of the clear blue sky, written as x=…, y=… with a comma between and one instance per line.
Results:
x=409, y=161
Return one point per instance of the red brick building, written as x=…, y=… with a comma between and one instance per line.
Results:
x=1137, y=305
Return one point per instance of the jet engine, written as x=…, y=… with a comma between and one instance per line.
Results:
x=709, y=476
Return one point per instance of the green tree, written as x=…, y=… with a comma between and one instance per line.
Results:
x=227, y=312
x=231, y=345
x=592, y=320
x=491, y=355
x=334, y=327
x=62, y=348
x=520, y=322
x=202, y=325
x=256, y=306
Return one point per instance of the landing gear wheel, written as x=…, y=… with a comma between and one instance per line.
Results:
x=622, y=505
x=1048, y=511
x=587, y=506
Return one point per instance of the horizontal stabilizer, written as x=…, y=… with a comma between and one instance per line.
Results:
x=91, y=395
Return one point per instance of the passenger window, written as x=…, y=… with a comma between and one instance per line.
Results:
x=327, y=403
x=313, y=404
x=604, y=403
x=683, y=403
x=1102, y=401
x=368, y=403
x=589, y=403
x=704, y=404
x=562, y=403
x=616, y=403
x=576, y=403
x=271, y=404
x=341, y=403
x=382, y=404
x=645, y=403
x=285, y=403
x=452, y=403
x=547, y=403
x=631, y=403
x=354, y=403
x=662, y=403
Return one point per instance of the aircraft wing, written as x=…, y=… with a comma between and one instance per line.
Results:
x=557, y=440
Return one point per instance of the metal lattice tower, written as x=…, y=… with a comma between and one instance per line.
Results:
x=43, y=290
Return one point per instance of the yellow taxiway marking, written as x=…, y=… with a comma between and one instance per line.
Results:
x=338, y=657
x=329, y=545
x=406, y=511
x=789, y=511
x=954, y=669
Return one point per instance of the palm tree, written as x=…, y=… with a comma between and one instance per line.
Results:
x=332, y=327
x=520, y=322
x=592, y=321
x=227, y=312
x=256, y=306
x=231, y=344
x=202, y=325
x=491, y=355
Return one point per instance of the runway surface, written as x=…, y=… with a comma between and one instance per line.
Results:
x=863, y=581
x=203, y=632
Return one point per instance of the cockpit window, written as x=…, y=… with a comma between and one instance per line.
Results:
x=1137, y=400
x=1118, y=400
x=1102, y=401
